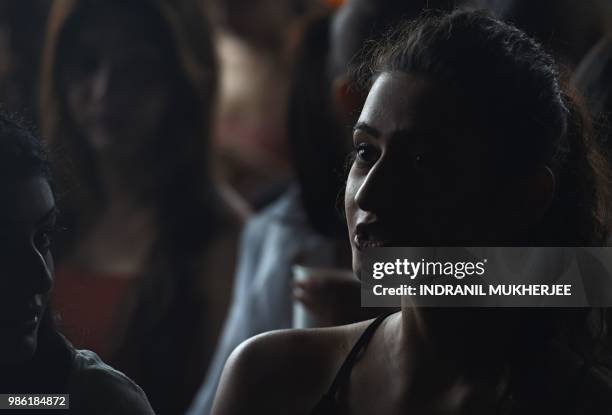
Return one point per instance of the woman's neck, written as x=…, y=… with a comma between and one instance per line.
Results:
x=463, y=339
x=121, y=237
x=121, y=188
x=14, y=378
x=119, y=243
x=447, y=361
x=47, y=371
x=458, y=345
x=24, y=376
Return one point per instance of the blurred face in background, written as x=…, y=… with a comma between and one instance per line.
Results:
x=27, y=221
x=116, y=79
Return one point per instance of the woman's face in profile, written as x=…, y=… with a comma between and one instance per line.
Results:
x=115, y=82
x=27, y=221
x=419, y=177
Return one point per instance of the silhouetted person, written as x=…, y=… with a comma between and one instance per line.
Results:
x=34, y=357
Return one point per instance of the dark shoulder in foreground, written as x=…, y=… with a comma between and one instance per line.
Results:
x=98, y=389
x=284, y=371
x=596, y=391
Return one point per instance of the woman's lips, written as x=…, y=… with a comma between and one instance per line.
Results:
x=363, y=241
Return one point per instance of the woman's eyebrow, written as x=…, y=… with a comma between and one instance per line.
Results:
x=361, y=126
x=368, y=129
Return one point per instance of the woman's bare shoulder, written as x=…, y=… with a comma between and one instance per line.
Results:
x=283, y=371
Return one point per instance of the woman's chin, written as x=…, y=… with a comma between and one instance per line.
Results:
x=357, y=264
x=18, y=351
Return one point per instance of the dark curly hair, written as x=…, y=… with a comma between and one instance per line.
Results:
x=22, y=155
x=515, y=85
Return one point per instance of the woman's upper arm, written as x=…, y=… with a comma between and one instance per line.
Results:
x=238, y=391
x=272, y=373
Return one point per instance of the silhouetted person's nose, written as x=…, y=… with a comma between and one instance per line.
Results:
x=30, y=272
x=100, y=83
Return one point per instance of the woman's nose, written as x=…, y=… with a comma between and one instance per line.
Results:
x=37, y=274
x=375, y=192
x=25, y=271
x=100, y=83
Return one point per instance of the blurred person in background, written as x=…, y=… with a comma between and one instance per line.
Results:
x=147, y=261
x=304, y=226
x=448, y=151
x=263, y=24
x=568, y=28
x=254, y=40
x=287, y=230
x=593, y=78
x=34, y=357
x=21, y=39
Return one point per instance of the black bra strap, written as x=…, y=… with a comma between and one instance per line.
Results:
x=345, y=370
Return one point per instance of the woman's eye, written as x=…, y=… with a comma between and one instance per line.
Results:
x=367, y=153
x=43, y=239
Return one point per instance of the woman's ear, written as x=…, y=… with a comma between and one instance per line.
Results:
x=540, y=191
x=529, y=198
